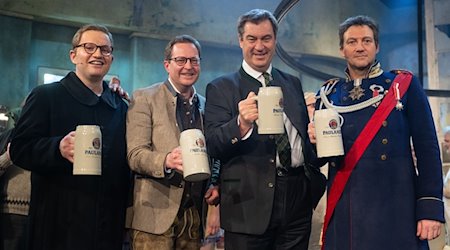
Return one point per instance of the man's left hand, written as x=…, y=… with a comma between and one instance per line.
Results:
x=428, y=229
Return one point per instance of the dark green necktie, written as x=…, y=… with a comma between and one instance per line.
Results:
x=281, y=140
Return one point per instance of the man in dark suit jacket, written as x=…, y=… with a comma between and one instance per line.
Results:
x=264, y=205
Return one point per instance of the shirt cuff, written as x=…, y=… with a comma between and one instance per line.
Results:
x=430, y=208
x=247, y=135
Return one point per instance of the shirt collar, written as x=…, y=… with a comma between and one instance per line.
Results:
x=84, y=95
x=175, y=91
x=374, y=71
x=254, y=73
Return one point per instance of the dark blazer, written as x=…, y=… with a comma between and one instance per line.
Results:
x=247, y=177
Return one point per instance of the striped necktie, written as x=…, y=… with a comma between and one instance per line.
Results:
x=281, y=140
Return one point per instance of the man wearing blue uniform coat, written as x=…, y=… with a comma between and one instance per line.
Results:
x=387, y=202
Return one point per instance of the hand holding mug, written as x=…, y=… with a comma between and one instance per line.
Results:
x=312, y=132
x=328, y=135
x=87, y=159
x=196, y=161
x=174, y=160
x=248, y=112
x=67, y=146
x=270, y=110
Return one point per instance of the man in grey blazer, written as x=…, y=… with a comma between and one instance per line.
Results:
x=166, y=209
x=264, y=203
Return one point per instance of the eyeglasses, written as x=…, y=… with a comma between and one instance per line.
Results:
x=90, y=48
x=181, y=61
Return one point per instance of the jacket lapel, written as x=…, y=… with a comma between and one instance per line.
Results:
x=171, y=106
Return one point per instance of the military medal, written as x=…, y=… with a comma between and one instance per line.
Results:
x=357, y=92
x=399, y=105
x=376, y=90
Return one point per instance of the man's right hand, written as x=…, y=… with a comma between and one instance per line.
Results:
x=248, y=113
x=174, y=160
x=67, y=146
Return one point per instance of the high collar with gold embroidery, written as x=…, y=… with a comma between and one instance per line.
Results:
x=374, y=71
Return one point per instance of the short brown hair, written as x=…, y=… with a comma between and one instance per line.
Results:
x=77, y=37
x=180, y=39
x=358, y=21
x=256, y=16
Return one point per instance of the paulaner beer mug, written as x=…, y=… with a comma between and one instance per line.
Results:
x=270, y=110
x=328, y=125
x=195, y=158
x=88, y=150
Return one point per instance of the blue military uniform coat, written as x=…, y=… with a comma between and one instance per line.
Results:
x=386, y=195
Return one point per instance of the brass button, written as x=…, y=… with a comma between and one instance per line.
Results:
x=270, y=185
x=234, y=140
x=385, y=123
x=272, y=160
x=388, y=80
x=344, y=98
x=333, y=164
x=383, y=157
x=384, y=141
x=271, y=137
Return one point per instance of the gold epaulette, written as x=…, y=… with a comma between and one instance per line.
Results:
x=331, y=81
x=398, y=71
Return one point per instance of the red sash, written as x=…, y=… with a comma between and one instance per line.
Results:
x=365, y=137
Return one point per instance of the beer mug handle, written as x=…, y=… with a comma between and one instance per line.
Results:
x=256, y=99
x=341, y=120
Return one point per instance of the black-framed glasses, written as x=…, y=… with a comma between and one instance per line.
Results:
x=181, y=60
x=90, y=48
